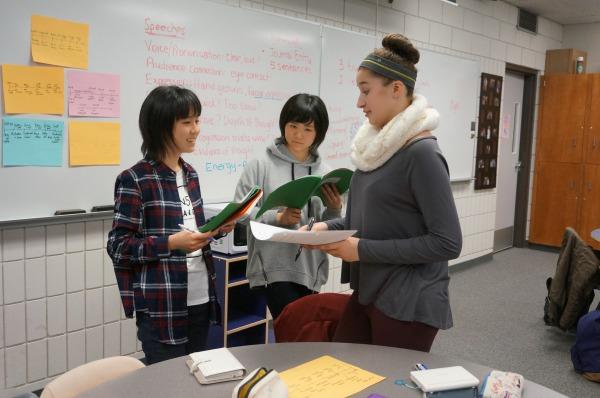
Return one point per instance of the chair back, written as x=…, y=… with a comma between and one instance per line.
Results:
x=311, y=318
x=571, y=290
x=89, y=375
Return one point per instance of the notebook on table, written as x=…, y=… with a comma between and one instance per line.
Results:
x=214, y=366
x=442, y=379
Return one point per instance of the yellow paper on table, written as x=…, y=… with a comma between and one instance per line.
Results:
x=59, y=42
x=94, y=143
x=33, y=89
x=327, y=377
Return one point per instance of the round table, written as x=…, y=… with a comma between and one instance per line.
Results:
x=173, y=379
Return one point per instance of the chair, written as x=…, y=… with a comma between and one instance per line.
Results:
x=312, y=318
x=89, y=375
x=571, y=290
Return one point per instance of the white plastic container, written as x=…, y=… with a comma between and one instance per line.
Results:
x=579, y=65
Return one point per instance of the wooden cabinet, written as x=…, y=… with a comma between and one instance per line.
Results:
x=566, y=188
x=563, y=60
x=592, y=124
x=562, y=117
x=589, y=216
x=244, y=311
x=557, y=187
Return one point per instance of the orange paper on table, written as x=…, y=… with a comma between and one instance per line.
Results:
x=327, y=377
x=94, y=143
x=33, y=89
x=59, y=42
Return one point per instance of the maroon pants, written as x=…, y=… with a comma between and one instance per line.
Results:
x=365, y=324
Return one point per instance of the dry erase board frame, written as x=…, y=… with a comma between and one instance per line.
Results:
x=486, y=160
x=242, y=126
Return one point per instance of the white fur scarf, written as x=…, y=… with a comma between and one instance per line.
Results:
x=371, y=147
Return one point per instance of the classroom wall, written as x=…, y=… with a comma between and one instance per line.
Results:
x=59, y=304
x=584, y=37
x=481, y=30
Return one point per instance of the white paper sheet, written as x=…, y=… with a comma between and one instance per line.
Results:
x=276, y=234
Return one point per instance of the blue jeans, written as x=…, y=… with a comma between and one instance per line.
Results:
x=155, y=351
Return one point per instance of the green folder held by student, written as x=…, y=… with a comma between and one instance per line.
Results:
x=234, y=210
x=296, y=194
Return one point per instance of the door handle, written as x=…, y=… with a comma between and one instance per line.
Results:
x=594, y=142
x=518, y=166
x=574, y=142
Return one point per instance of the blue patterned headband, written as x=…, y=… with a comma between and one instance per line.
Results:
x=390, y=69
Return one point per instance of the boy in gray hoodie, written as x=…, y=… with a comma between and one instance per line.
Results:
x=303, y=123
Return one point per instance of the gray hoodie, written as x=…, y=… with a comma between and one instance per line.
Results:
x=270, y=262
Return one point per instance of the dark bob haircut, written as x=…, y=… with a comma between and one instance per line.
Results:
x=305, y=108
x=160, y=110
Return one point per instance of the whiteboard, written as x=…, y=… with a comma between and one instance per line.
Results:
x=450, y=85
x=242, y=64
x=343, y=52
x=448, y=82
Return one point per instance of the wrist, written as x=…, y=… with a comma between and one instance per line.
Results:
x=171, y=242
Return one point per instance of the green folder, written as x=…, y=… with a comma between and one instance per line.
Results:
x=296, y=194
x=233, y=210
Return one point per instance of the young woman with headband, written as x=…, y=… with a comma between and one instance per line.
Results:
x=401, y=204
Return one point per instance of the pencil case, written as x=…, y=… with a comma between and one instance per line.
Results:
x=498, y=384
x=261, y=383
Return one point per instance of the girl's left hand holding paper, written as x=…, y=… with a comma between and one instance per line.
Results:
x=347, y=249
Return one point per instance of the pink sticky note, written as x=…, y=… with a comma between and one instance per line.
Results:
x=94, y=94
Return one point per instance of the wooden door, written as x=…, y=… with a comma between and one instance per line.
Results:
x=589, y=215
x=555, y=201
x=591, y=147
x=561, y=118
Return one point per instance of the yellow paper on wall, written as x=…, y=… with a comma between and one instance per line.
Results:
x=327, y=377
x=59, y=42
x=33, y=89
x=94, y=143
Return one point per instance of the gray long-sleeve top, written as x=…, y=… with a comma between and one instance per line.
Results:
x=270, y=262
x=408, y=227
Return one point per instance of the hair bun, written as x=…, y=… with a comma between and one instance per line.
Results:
x=400, y=45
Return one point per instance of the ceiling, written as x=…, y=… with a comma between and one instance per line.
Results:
x=565, y=12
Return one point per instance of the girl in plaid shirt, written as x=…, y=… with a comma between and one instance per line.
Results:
x=165, y=273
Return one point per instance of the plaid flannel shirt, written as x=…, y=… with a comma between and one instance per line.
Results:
x=151, y=278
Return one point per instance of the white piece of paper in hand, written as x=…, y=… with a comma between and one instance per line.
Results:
x=275, y=234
